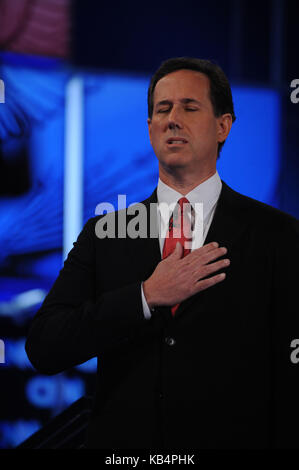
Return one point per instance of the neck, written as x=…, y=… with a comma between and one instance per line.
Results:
x=182, y=182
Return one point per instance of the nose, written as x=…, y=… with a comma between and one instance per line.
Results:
x=174, y=120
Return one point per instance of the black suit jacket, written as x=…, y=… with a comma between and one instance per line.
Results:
x=218, y=375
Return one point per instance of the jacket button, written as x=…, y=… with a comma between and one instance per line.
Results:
x=169, y=341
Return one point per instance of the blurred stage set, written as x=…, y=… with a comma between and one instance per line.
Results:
x=73, y=134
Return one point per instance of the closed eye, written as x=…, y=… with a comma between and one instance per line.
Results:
x=166, y=110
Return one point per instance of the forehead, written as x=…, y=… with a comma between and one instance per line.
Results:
x=182, y=84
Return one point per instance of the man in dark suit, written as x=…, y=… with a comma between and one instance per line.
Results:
x=194, y=344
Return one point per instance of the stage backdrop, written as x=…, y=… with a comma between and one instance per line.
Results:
x=109, y=126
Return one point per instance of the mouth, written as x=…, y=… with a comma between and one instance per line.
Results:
x=174, y=141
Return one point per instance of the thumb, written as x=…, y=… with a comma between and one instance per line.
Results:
x=178, y=251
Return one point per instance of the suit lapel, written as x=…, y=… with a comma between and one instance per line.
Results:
x=145, y=252
x=229, y=219
x=229, y=223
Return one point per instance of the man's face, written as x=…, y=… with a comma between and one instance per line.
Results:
x=184, y=132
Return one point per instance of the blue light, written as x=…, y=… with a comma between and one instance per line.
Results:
x=250, y=159
x=16, y=355
x=73, y=163
x=88, y=367
x=12, y=433
x=41, y=392
x=49, y=392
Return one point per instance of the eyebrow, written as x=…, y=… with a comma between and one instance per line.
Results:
x=183, y=101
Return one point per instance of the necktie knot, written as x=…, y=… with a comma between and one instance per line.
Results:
x=179, y=228
x=182, y=220
x=182, y=201
x=179, y=231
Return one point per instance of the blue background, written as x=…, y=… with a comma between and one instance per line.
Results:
x=259, y=159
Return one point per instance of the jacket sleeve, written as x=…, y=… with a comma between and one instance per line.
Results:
x=72, y=325
x=285, y=324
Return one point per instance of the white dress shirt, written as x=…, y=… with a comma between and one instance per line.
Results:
x=207, y=194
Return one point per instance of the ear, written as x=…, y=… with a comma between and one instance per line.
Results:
x=224, y=123
x=149, y=124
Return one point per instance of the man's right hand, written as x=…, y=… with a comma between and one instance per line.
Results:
x=176, y=278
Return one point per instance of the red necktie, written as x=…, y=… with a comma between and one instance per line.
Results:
x=179, y=231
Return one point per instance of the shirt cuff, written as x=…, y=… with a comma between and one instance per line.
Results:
x=146, y=309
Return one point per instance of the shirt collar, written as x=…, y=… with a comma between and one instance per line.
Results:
x=207, y=193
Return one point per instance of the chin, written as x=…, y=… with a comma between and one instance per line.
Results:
x=175, y=160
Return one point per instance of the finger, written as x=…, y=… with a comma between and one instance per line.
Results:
x=176, y=254
x=212, y=255
x=211, y=281
x=208, y=269
x=205, y=258
x=178, y=251
x=210, y=246
x=204, y=249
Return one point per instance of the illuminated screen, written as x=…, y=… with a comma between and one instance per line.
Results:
x=118, y=159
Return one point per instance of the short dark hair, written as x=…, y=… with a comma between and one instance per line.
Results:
x=220, y=91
